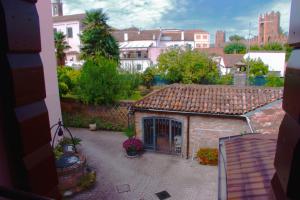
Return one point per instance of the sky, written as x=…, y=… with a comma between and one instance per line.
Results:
x=232, y=16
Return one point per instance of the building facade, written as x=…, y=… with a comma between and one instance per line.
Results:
x=139, y=49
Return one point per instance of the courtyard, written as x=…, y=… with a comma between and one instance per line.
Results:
x=121, y=178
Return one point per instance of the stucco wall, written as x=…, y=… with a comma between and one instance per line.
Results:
x=205, y=131
x=49, y=62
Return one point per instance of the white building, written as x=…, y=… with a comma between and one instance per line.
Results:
x=275, y=60
x=140, y=49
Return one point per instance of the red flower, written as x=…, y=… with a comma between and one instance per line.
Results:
x=133, y=144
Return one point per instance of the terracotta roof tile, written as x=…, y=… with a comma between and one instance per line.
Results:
x=249, y=166
x=229, y=100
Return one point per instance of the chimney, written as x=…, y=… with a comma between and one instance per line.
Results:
x=125, y=37
x=182, y=35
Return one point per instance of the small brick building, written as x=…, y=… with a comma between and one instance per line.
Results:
x=179, y=119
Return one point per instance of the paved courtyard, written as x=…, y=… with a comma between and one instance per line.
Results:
x=151, y=173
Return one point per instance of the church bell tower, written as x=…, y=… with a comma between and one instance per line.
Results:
x=57, y=8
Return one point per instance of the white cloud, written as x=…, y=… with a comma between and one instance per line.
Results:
x=127, y=13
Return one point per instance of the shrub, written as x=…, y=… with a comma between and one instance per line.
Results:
x=129, y=84
x=99, y=82
x=235, y=48
x=63, y=88
x=148, y=76
x=274, y=81
x=208, y=156
x=129, y=132
x=226, y=80
x=87, y=180
x=133, y=144
x=257, y=67
x=67, y=80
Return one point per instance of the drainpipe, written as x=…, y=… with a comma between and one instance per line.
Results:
x=248, y=122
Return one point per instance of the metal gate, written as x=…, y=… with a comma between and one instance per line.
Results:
x=162, y=135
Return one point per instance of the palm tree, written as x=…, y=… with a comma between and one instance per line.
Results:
x=96, y=38
x=61, y=46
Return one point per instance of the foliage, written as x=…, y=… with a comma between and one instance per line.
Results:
x=61, y=46
x=288, y=51
x=236, y=38
x=148, y=76
x=63, y=88
x=129, y=84
x=180, y=66
x=273, y=47
x=255, y=48
x=96, y=38
x=129, y=132
x=67, y=80
x=133, y=145
x=99, y=82
x=257, y=67
x=81, y=121
x=274, y=81
x=87, y=180
x=235, y=48
x=208, y=156
x=225, y=80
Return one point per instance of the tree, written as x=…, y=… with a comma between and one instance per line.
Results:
x=99, y=82
x=236, y=38
x=96, y=37
x=273, y=47
x=257, y=67
x=274, y=81
x=61, y=46
x=235, y=48
x=180, y=66
x=148, y=76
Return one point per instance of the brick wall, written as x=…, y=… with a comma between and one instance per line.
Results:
x=204, y=131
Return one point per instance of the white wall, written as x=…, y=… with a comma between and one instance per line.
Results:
x=49, y=61
x=275, y=60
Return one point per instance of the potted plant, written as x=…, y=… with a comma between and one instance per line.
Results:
x=132, y=145
x=93, y=126
x=208, y=156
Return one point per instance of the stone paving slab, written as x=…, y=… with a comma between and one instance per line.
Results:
x=149, y=174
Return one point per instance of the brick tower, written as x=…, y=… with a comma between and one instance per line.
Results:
x=269, y=28
x=220, y=39
x=57, y=8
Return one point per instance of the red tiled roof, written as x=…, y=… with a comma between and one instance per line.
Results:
x=249, y=166
x=208, y=99
x=66, y=18
x=136, y=35
x=231, y=59
x=268, y=120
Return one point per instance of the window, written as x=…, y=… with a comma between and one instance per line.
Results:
x=205, y=37
x=139, y=67
x=198, y=37
x=198, y=45
x=139, y=54
x=69, y=32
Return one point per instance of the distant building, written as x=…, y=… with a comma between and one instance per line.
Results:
x=139, y=49
x=57, y=8
x=269, y=27
x=220, y=39
x=71, y=27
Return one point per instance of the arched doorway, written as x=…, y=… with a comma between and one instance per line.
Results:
x=162, y=135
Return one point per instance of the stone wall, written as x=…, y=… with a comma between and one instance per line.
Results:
x=205, y=131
